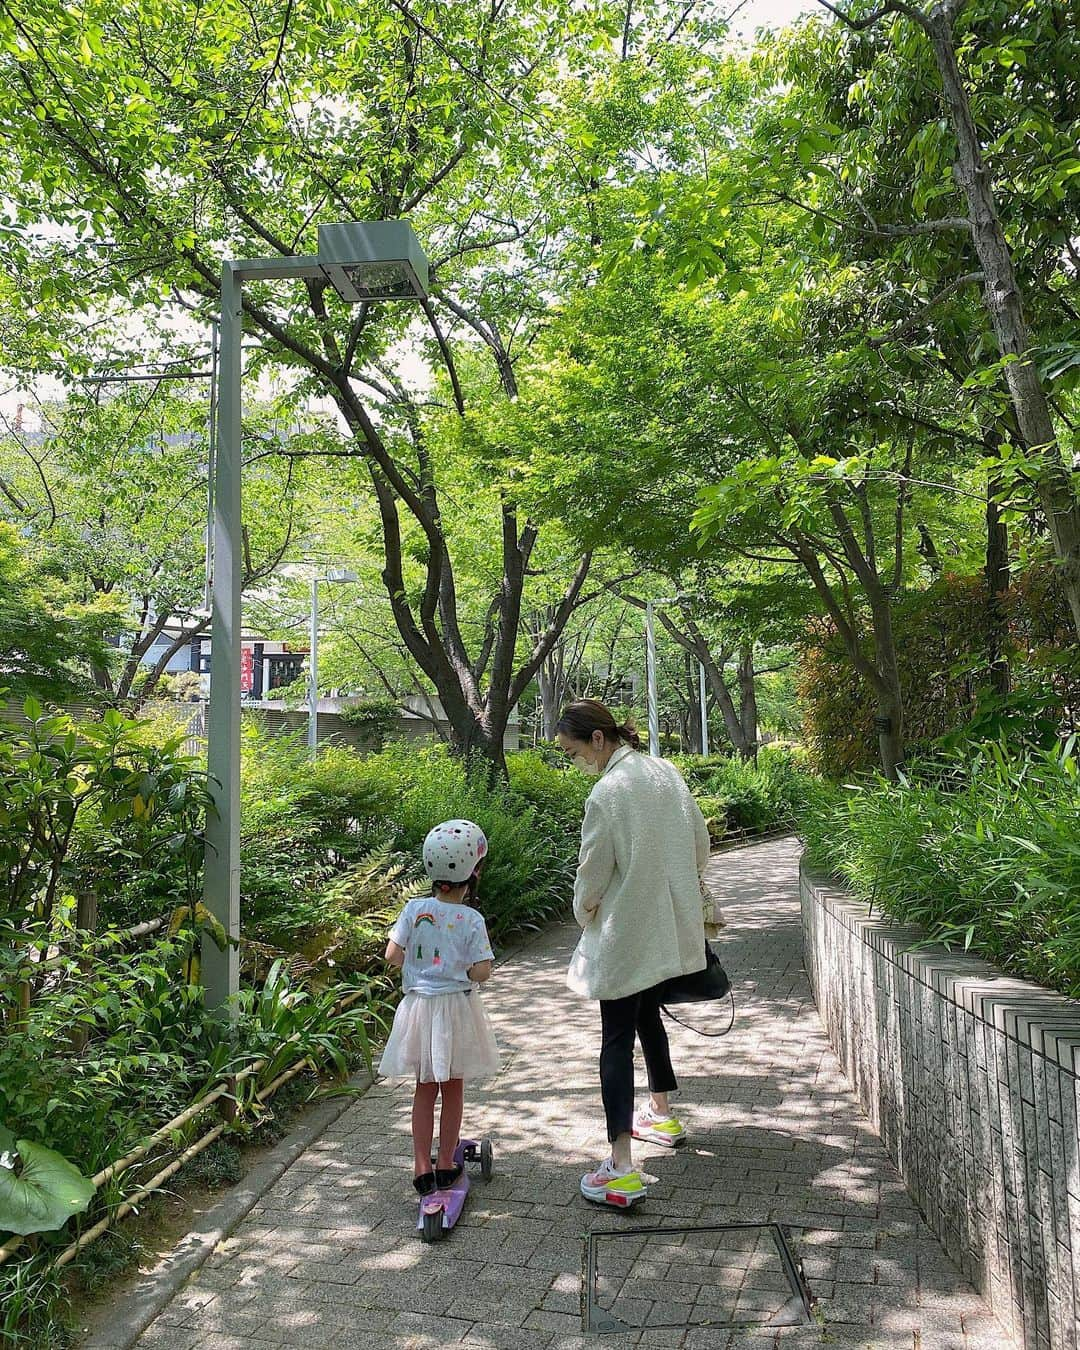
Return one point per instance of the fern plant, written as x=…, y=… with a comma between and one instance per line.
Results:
x=343, y=929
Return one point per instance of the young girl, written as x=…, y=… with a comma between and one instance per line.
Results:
x=441, y=1033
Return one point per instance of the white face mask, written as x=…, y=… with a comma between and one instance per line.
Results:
x=588, y=766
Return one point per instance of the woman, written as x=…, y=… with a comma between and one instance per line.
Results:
x=637, y=896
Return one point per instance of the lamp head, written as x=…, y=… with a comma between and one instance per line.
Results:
x=374, y=260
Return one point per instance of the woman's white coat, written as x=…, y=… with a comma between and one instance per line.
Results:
x=637, y=895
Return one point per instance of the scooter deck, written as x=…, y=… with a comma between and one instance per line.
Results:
x=450, y=1202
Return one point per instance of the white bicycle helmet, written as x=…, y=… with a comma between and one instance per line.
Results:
x=453, y=851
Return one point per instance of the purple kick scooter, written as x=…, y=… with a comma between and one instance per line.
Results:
x=440, y=1210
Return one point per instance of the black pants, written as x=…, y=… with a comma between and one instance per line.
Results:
x=622, y=1019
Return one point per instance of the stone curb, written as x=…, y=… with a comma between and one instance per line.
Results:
x=129, y=1318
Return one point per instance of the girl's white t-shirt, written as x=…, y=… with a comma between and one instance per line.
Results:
x=441, y=941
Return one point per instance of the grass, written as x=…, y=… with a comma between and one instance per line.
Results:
x=981, y=850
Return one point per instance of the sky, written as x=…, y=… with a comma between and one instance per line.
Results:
x=769, y=14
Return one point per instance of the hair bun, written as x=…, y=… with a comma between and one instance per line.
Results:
x=628, y=733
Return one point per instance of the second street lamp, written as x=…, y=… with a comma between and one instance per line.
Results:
x=333, y=574
x=362, y=260
x=650, y=680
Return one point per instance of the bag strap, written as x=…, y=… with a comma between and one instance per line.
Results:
x=712, y=1035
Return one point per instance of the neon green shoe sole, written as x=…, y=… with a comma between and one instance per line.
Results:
x=619, y=1192
x=670, y=1133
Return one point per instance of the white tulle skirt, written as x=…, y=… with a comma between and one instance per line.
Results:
x=437, y=1037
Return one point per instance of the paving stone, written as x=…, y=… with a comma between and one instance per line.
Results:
x=484, y=1337
x=161, y=1335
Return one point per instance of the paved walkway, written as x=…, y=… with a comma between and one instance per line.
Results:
x=329, y=1258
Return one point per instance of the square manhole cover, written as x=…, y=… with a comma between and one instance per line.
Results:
x=718, y=1275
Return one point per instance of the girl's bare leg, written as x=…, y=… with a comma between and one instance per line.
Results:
x=453, y=1107
x=423, y=1126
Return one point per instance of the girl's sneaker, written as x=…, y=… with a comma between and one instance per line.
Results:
x=606, y=1186
x=666, y=1130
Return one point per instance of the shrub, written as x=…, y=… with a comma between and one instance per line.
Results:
x=528, y=876
x=979, y=850
x=941, y=637
x=553, y=789
x=94, y=808
x=303, y=820
x=342, y=929
x=151, y=1047
x=308, y=822
x=375, y=719
x=748, y=795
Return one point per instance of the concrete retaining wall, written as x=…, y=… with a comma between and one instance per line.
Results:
x=972, y=1079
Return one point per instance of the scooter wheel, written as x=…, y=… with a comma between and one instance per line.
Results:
x=433, y=1227
x=486, y=1167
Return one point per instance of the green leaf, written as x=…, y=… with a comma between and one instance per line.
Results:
x=44, y=1193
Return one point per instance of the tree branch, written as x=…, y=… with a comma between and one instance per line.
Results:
x=565, y=608
x=916, y=320
x=891, y=7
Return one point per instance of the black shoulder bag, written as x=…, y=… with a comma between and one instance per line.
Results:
x=709, y=985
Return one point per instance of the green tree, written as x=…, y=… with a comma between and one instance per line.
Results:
x=114, y=492
x=163, y=136
x=51, y=638
x=936, y=147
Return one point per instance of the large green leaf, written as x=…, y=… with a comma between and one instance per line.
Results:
x=43, y=1193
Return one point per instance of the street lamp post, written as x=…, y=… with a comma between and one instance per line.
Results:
x=650, y=679
x=650, y=671
x=334, y=574
x=313, y=672
x=362, y=260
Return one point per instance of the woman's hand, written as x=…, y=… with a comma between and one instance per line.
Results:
x=479, y=971
x=395, y=955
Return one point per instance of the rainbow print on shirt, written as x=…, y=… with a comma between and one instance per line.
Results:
x=423, y=917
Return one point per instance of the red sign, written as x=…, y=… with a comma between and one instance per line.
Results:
x=247, y=670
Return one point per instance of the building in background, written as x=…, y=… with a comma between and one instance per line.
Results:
x=268, y=666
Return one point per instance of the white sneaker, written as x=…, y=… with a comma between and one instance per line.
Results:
x=667, y=1130
x=606, y=1186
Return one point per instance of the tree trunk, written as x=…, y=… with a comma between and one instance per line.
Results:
x=479, y=740
x=1003, y=302
x=86, y=922
x=882, y=673
x=890, y=733
x=550, y=702
x=552, y=683
x=153, y=679
x=732, y=725
x=748, y=710
x=997, y=579
x=889, y=720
